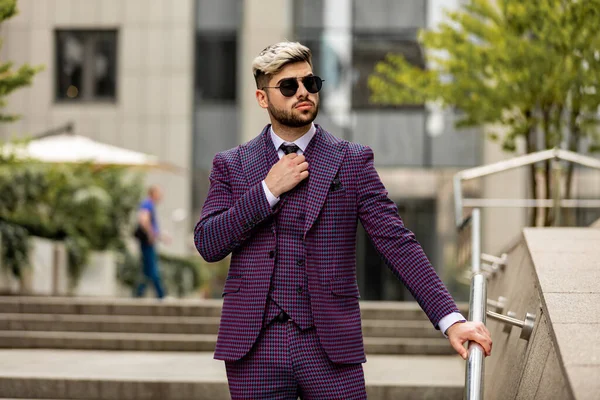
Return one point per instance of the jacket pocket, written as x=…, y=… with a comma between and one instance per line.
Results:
x=232, y=285
x=345, y=288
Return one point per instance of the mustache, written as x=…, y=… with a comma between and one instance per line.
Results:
x=304, y=101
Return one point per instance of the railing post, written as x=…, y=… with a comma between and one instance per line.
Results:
x=475, y=361
x=557, y=193
x=476, y=240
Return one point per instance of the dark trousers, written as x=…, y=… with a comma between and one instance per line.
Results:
x=286, y=363
x=150, y=270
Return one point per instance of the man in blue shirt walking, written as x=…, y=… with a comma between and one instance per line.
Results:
x=148, y=235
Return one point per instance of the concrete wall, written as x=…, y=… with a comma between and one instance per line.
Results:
x=153, y=110
x=47, y=273
x=520, y=369
x=501, y=224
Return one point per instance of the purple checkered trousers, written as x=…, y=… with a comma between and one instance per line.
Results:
x=286, y=363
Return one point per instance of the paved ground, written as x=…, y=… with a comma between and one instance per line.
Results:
x=200, y=367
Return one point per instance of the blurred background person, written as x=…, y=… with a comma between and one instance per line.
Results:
x=148, y=234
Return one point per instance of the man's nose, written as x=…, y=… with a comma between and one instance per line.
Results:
x=302, y=92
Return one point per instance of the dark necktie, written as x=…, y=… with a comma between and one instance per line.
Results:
x=289, y=148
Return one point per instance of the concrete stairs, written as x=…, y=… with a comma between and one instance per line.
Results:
x=141, y=325
x=129, y=349
x=121, y=375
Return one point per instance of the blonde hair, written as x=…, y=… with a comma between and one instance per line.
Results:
x=272, y=60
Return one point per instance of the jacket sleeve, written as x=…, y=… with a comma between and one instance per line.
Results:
x=224, y=224
x=397, y=245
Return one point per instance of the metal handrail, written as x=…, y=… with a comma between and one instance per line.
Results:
x=475, y=362
x=477, y=308
x=478, y=302
x=476, y=241
x=509, y=321
x=553, y=154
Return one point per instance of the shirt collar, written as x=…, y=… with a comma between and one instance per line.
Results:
x=302, y=142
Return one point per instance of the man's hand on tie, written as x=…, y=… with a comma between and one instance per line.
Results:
x=286, y=174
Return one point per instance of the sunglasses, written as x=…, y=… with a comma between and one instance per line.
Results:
x=289, y=86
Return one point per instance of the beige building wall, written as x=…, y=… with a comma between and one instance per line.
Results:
x=501, y=225
x=259, y=30
x=153, y=110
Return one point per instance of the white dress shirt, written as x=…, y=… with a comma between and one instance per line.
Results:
x=302, y=143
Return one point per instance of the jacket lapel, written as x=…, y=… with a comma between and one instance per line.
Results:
x=327, y=156
x=253, y=156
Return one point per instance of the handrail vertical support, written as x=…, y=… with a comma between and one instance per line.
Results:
x=476, y=240
x=475, y=362
x=458, y=203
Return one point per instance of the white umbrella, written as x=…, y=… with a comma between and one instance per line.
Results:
x=71, y=148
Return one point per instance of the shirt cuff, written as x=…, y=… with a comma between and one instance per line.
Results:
x=450, y=320
x=270, y=198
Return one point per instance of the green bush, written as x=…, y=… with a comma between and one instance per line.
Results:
x=88, y=207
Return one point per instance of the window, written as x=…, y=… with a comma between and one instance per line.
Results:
x=367, y=52
x=86, y=65
x=216, y=67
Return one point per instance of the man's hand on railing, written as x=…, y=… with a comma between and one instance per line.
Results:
x=459, y=333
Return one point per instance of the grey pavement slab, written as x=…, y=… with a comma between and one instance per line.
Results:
x=573, y=307
x=585, y=382
x=579, y=280
x=579, y=344
x=563, y=240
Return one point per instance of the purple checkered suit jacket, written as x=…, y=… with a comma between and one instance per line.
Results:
x=343, y=187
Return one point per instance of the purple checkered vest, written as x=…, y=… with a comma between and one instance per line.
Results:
x=289, y=283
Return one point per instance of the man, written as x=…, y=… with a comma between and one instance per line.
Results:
x=286, y=205
x=148, y=234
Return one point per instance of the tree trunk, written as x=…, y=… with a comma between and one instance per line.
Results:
x=569, y=215
x=547, y=127
x=531, y=141
x=549, y=187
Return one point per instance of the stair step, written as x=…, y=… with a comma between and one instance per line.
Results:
x=189, y=342
x=101, y=375
x=397, y=310
x=123, y=390
x=178, y=325
x=106, y=341
x=414, y=346
x=109, y=323
x=110, y=306
x=399, y=329
x=183, y=308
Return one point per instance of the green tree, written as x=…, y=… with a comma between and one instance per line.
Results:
x=526, y=66
x=12, y=79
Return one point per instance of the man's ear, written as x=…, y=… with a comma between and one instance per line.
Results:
x=261, y=98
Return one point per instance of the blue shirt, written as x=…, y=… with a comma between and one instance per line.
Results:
x=147, y=204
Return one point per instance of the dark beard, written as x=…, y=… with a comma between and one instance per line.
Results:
x=287, y=118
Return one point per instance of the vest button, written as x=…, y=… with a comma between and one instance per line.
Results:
x=300, y=262
x=299, y=289
x=272, y=254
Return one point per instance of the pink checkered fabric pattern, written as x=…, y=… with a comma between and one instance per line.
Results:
x=289, y=283
x=286, y=363
x=343, y=187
